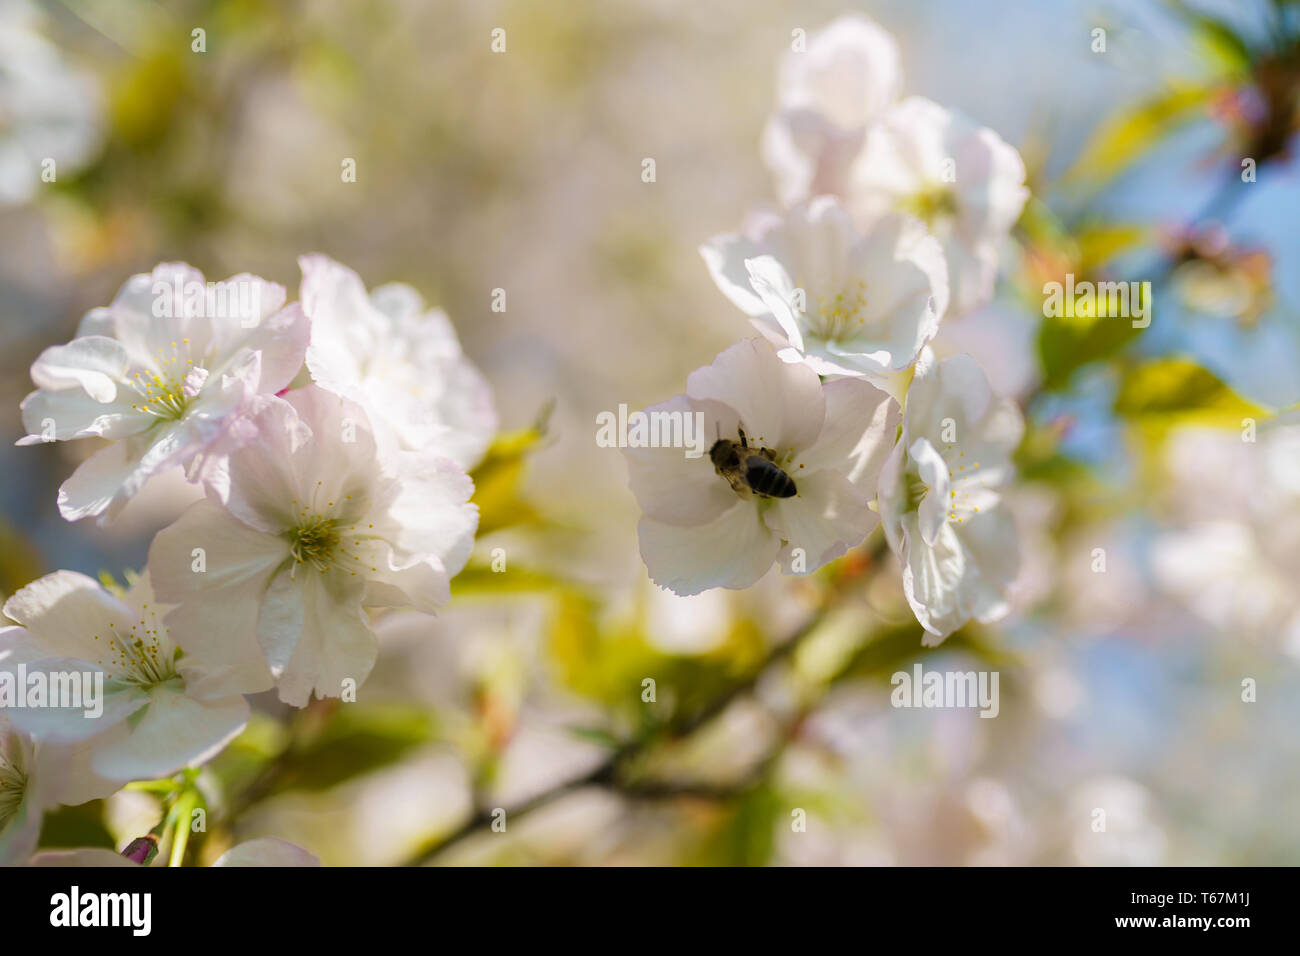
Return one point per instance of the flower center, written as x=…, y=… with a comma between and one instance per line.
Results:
x=167, y=393
x=916, y=491
x=142, y=656
x=13, y=784
x=162, y=397
x=314, y=541
x=840, y=316
x=932, y=205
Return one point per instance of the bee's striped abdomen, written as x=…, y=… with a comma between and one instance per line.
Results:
x=767, y=478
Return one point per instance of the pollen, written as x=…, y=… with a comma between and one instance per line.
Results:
x=841, y=316
x=314, y=541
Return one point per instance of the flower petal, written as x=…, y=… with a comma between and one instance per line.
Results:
x=733, y=550
x=65, y=610
x=861, y=424
x=95, y=364
x=335, y=643
x=828, y=516
x=781, y=405
x=173, y=731
x=671, y=487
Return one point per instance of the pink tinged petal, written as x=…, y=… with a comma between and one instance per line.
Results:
x=858, y=435
x=95, y=364
x=263, y=489
x=673, y=488
x=193, y=383
x=335, y=369
x=335, y=643
x=282, y=340
x=732, y=551
x=780, y=405
x=104, y=483
x=345, y=326
x=826, y=518
x=65, y=610
x=267, y=851
x=173, y=731
x=431, y=513
x=342, y=458
x=331, y=293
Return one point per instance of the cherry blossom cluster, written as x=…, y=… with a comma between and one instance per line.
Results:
x=895, y=211
x=331, y=440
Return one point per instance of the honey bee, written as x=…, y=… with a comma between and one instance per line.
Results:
x=750, y=470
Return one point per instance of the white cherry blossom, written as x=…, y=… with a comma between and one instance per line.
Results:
x=940, y=496
x=397, y=359
x=150, y=722
x=842, y=302
x=963, y=180
x=699, y=532
x=316, y=527
x=826, y=95
x=166, y=372
x=36, y=776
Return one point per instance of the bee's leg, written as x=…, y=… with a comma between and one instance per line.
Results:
x=743, y=442
x=768, y=454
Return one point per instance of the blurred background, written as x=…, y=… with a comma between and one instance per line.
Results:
x=1121, y=688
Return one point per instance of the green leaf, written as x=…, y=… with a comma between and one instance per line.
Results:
x=1066, y=343
x=1100, y=243
x=1176, y=391
x=498, y=476
x=1129, y=133
x=1222, y=47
